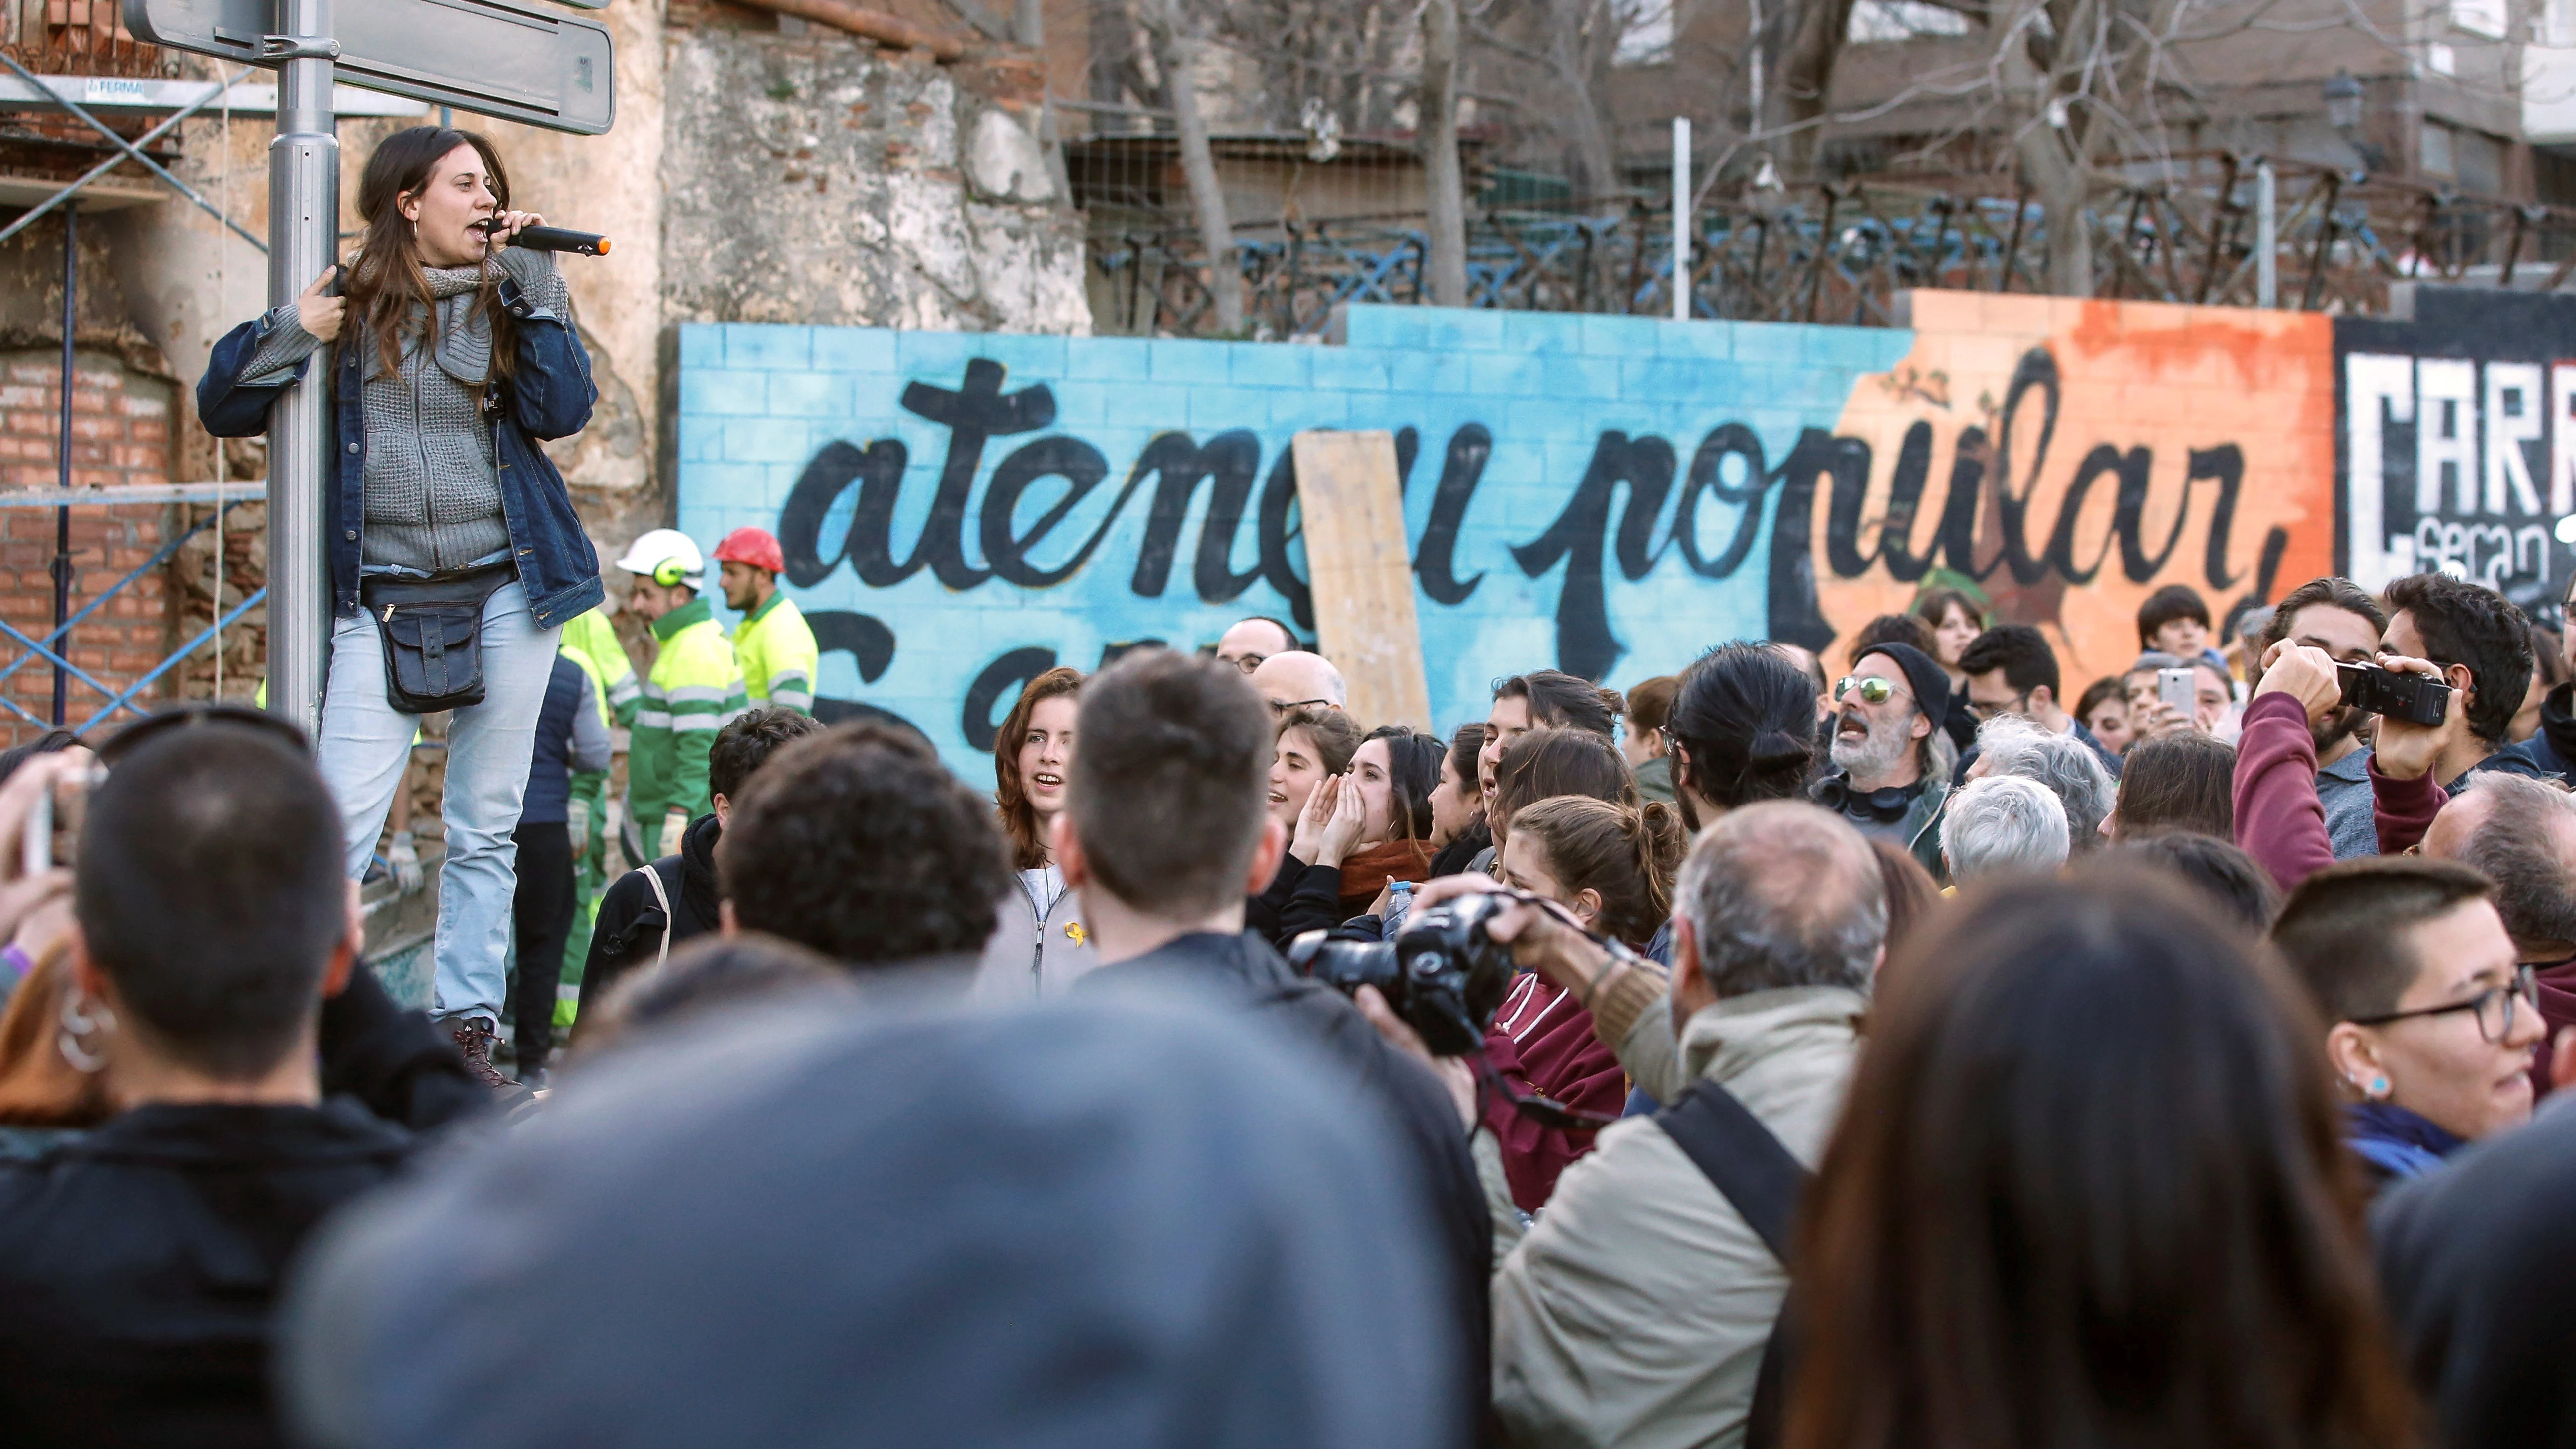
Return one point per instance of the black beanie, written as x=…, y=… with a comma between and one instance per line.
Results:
x=1923, y=675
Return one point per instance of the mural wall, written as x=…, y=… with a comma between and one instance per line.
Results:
x=1608, y=495
x=2459, y=441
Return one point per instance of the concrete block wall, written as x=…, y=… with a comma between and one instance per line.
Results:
x=121, y=435
x=1607, y=495
x=1139, y=441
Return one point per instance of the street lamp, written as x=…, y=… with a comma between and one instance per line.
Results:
x=2343, y=97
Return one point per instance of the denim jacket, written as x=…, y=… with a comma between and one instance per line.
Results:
x=550, y=395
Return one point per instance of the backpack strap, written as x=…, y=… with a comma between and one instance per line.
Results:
x=1750, y=1167
x=661, y=897
x=1741, y=1159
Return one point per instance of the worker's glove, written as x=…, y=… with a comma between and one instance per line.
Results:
x=405, y=860
x=577, y=823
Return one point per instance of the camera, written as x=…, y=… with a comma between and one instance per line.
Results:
x=1443, y=973
x=2415, y=697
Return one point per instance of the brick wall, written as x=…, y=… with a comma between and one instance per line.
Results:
x=122, y=419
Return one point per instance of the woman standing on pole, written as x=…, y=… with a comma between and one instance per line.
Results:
x=456, y=554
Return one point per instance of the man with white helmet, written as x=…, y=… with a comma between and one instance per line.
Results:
x=693, y=689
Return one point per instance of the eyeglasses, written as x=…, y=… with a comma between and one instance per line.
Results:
x=1988, y=710
x=1873, y=690
x=1250, y=662
x=1283, y=706
x=2494, y=1006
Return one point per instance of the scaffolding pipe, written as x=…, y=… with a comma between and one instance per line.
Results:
x=63, y=450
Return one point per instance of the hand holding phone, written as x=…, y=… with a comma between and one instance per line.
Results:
x=29, y=877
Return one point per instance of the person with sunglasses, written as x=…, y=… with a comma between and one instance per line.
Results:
x=2430, y=1019
x=1891, y=764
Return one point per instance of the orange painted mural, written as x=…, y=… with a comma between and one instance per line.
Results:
x=2070, y=457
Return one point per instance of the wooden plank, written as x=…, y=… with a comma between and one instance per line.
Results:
x=1360, y=568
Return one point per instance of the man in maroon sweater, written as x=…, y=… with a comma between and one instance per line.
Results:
x=2278, y=819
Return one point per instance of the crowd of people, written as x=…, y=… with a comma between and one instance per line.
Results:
x=1757, y=1055
x=1896, y=1059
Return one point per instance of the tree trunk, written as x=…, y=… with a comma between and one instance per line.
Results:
x=1438, y=129
x=1594, y=159
x=1176, y=54
x=1805, y=79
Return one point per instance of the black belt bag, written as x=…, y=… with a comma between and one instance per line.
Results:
x=432, y=631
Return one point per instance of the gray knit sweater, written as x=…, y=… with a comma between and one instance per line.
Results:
x=433, y=499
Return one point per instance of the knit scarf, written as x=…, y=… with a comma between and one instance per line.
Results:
x=1366, y=873
x=464, y=335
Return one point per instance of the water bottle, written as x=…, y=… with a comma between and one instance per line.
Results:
x=1399, y=904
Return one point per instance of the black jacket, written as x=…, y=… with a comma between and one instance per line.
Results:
x=1242, y=972
x=1300, y=898
x=1455, y=857
x=2479, y=1270
x=2550, y=753
x=393, y=1060
x=629, y=931
x=138, y=1264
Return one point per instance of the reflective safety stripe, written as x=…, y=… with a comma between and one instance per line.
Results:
x=652, y=719
x=798, y=699
x=696, y=723
x=715, y=694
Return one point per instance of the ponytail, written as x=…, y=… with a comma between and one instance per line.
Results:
x=1626, y=855
x=1745, y=719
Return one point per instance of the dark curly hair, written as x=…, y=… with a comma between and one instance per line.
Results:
x=2462, y=623
x=747, y=742
x=858, y=843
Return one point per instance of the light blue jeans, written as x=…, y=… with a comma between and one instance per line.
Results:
x=366, y=743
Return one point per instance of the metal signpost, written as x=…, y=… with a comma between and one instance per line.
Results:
x=494, y=57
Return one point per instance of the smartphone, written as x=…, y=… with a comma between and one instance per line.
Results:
x=2416, y=697
x=2177, y=688
x=53, y=823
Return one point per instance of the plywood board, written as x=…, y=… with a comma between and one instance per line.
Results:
x=1360, y=568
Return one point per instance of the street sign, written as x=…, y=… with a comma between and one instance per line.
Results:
x=521, y=62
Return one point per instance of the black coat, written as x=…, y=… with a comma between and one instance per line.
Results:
x=2479, y=1270
x=629, y=931
x=1243, y=972
x=138, y=1265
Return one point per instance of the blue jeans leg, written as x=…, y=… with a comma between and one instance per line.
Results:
x=365, y=743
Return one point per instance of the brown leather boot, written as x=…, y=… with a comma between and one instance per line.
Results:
x=473, y=1038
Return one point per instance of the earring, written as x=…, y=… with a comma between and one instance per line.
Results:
x=2378, y=1088
x=80, y=1022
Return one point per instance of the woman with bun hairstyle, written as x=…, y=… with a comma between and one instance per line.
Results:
x=1612, y=866
x=1742, y=729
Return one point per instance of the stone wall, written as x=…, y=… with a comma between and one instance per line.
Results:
x=752, y=175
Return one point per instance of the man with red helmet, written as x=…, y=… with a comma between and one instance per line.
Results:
x=773, y=641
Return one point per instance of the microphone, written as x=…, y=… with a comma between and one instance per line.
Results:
x=554, y=239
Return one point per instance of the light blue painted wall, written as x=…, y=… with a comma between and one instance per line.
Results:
x=759, y=403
